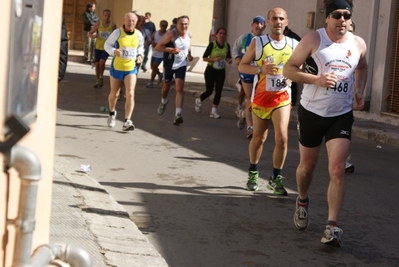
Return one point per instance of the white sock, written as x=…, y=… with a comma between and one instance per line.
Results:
x=214, y=110
x=163, y=100
x=178, y=111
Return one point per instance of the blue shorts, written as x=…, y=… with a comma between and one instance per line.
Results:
x=247, y=78
x=156, y=60
x=100, y=54
x=180, y=73
x=120, y=75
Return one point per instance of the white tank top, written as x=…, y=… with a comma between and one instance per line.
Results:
x=157, y=38
x=342, y=59
x=183, y=44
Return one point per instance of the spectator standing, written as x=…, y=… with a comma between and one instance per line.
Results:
x=146, y=33
x=150, y=26
x=63, y=51
x=89, y=19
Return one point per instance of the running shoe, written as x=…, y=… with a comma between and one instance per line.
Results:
x=97, y=85
x=349, y=167
x=128, y=126
x=214, y=115
x=301, y=219
x=276, y=185
x=198, y=105
x=250, y=130
x=162, y=107
x=178, y=120
x=252, y=184
x=111, y=120
x=150, y=85
x=100, y=82
x=241, y=120
x=237, y=111
x=332, y=236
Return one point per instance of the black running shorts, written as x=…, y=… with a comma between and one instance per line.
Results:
x=312, y=127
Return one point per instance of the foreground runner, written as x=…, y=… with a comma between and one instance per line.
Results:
x=325, y=109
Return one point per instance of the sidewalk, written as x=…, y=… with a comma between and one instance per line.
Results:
x=85, y=215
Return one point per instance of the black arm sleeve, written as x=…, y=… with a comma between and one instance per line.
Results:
x=208, y=50
x=63, y=51
x=228, y=51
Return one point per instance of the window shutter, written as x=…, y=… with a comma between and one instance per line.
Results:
x=393, y=93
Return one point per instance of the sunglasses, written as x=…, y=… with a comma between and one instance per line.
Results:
x=338, y=15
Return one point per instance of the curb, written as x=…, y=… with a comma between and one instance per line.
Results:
x=119, y=240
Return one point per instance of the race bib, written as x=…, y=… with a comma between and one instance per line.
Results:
x=128, y=53
x=181, y=56
x=219, y=64
x=342, y=87
x=275, y=82
x=104, y=35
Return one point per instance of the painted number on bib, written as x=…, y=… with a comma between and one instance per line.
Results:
x=128, y=53
x=219, y=64
x=275, y=83
x=104, y=35
x=341, y=87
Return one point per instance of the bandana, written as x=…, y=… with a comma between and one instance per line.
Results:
x=259, y=19
x=338, y=4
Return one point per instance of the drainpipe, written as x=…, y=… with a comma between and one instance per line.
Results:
x=372, y=45
x=74, y=256
x=27, y=164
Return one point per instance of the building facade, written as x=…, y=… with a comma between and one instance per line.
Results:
x=377, y=22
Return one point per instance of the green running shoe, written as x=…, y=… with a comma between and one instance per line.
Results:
x=252, y=184
x=178, y=120
x=276, y=185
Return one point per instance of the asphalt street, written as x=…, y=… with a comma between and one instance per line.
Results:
x=183, y=186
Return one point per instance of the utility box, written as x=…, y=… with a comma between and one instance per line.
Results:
x=24, y=59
